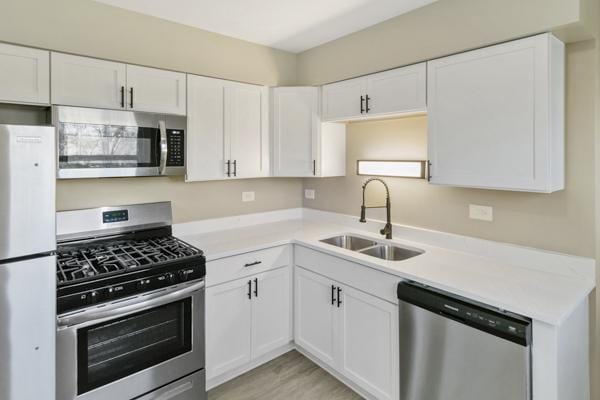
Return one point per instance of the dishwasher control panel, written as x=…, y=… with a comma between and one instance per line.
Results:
x=510, y=326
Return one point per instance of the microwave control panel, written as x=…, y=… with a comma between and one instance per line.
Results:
x=175, y=147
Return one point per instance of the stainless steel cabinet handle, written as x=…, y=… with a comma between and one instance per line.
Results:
x=250, y=289
x=367, y=109
x=234, y=167
x=314, y=167
x=123, y=308
x=122, y=96
x=362, y=107
x=255, y=287
x=339, y=301
x=131, y=97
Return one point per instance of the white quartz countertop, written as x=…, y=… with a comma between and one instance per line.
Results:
x=544, y=296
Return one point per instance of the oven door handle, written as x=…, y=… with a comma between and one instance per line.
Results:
x=164, y=148
x=127, y=307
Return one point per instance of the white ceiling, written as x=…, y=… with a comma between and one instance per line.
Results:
x=292, y=25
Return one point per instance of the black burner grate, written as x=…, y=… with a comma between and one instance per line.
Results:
x=81, y=262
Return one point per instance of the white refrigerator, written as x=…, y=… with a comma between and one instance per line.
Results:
x=27, y=262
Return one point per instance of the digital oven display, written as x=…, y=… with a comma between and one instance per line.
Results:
x=115, y=216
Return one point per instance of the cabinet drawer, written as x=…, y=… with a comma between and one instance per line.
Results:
x=359, y=276
x=251, y=263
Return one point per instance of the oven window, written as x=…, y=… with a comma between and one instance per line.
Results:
x=114, y=349
x=107, y=146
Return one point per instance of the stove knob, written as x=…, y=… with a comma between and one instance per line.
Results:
x=170, y=277
x=143, y=283
x=93, y=297
x=183, y=275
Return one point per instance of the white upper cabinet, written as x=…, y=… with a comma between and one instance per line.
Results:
x=24, y=75
x=228, y=135
x=246, y=129
x=400, y=90
x=156, y=90
x=206, y=156
x=496, y=116
x=344, y=100
x=393, y=92
x=88, y=82
x=302, y=145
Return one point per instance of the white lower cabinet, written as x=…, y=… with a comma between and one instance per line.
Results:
x=368, y=342
x=351, y=331
x=245, y=319
x=271, y=311
x=314, y=315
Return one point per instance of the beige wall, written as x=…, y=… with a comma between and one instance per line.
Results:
x=191, y=201
x=442, y=28
x=89, y=28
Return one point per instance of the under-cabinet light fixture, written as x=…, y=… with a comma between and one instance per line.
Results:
x=401, y=169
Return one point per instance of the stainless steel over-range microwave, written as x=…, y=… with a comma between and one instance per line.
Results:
x=94, y=143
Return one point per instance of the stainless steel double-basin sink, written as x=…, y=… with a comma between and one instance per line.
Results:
x=372, y=248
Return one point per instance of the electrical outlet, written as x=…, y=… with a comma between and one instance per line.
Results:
x=309, y=194
x=248, y=196
x=482, y=213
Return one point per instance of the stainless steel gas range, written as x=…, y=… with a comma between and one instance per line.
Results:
x=130, y=302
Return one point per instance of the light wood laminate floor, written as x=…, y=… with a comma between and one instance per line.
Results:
x=288, y=377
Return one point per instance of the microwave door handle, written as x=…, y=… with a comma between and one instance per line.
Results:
x=164, y=149
x=123, y=308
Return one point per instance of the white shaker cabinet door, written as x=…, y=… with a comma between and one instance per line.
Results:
x=156, y=90
x=246, y=129
x=228, y=324
x=368, y=342
x=344, y=100
x=295, y=130
x=496, y=116
x=88, y=82
x=401, y=90
x=271, y=311
x=206, y=154
x=24, y=75
x=315, y=315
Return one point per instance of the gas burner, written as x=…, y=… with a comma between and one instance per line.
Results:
x=75, y=263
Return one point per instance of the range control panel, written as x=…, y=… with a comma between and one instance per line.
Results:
x=127, y=286
x=176, y=148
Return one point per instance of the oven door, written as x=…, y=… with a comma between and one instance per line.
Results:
x=128, y=349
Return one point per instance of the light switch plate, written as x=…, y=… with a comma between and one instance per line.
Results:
x=482, y=213
x=248, y=196
x=309, y=194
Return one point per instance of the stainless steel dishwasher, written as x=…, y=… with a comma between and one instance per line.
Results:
x=455, y=349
